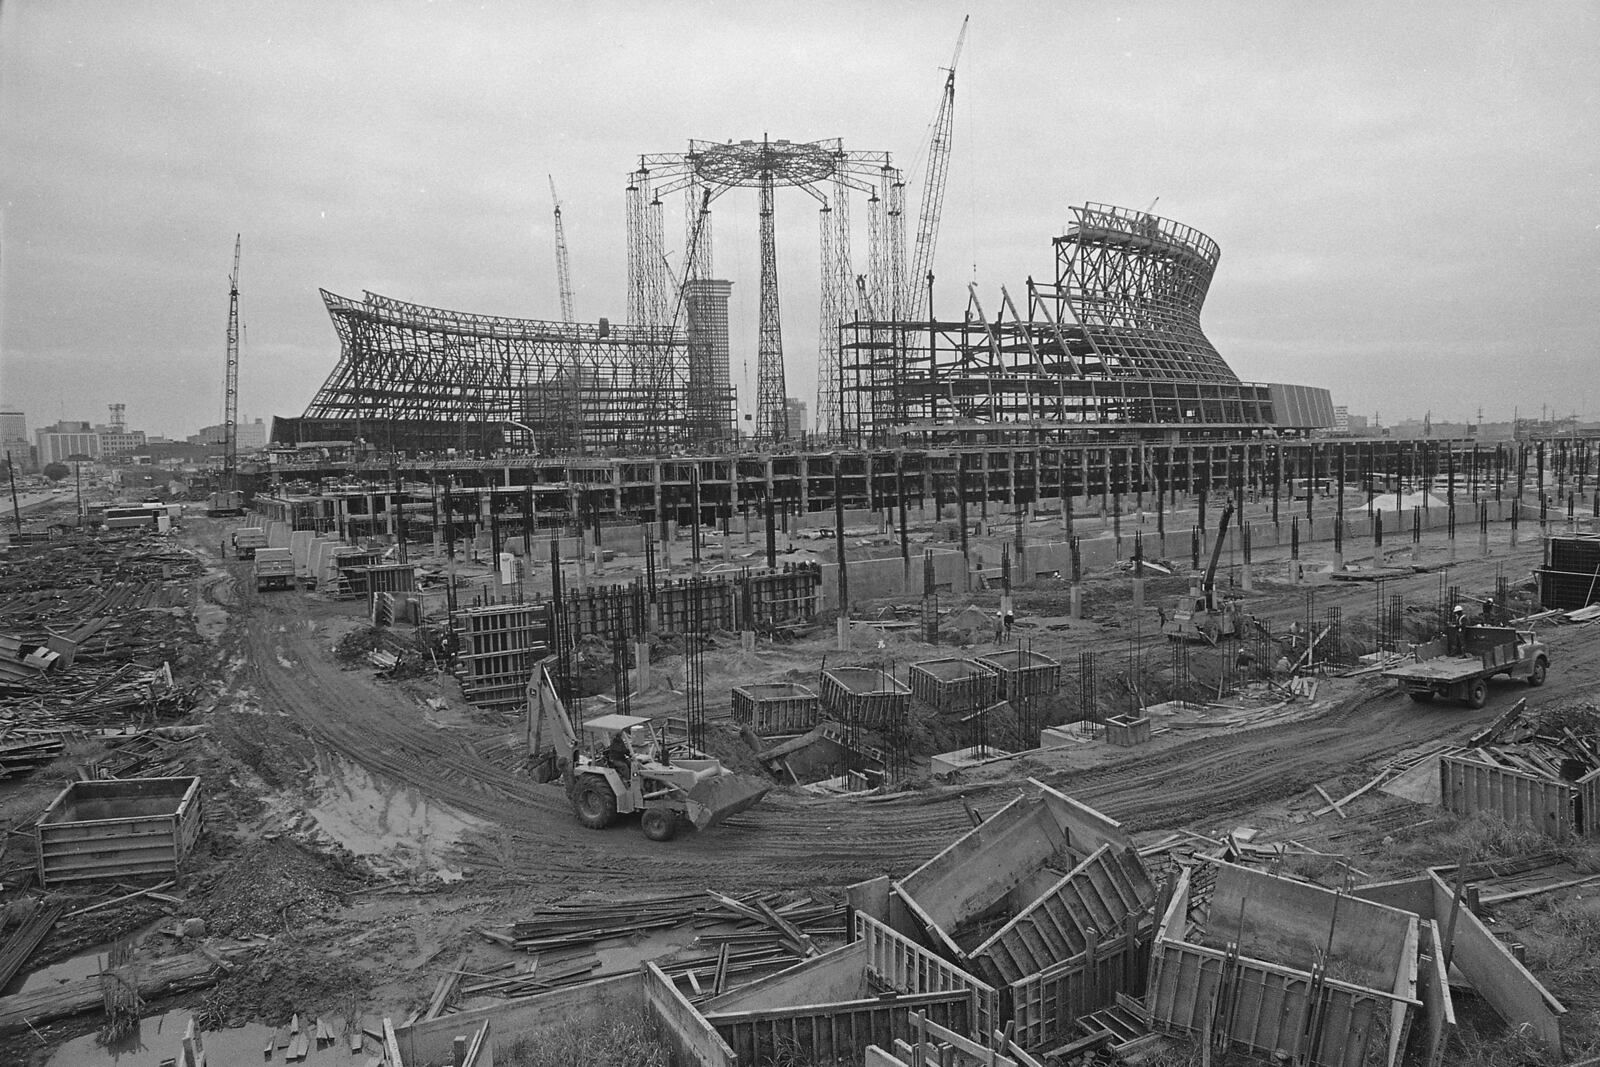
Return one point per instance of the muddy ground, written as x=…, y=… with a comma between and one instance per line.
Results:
x=361, y=829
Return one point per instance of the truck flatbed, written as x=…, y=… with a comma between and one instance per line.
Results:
x=1489, y=650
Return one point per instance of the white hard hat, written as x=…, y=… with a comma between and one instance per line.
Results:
x=1460, y=610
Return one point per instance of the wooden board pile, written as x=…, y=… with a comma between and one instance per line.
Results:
x=1559, y=743
x=742, y=938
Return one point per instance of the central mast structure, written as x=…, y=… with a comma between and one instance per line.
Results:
x=710, y=169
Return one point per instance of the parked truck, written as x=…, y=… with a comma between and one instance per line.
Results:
x=274, y=569
x=247, y=539
x=1485, y=652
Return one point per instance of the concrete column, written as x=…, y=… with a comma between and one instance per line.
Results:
x=843, y=631
x=1138, y=593
x=1075, y=601
x=641, y=660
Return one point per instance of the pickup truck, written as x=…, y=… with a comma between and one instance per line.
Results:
x=247, y=539
x=274, y=569
x=1486, y=652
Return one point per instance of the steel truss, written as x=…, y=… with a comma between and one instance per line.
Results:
x=418, y=378
x=710, y=169
x=1114, y=342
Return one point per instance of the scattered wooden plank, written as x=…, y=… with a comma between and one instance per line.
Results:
x=1533, y=891
x=1332, y=802
x=118, y=900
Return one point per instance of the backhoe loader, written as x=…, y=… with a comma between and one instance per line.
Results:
x=617, y=765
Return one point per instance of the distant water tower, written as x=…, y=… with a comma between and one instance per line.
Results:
x=119, y=418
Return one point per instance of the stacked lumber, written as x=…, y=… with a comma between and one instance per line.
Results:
x=743, y=938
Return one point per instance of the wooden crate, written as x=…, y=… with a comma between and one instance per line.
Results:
x=118, y=829
x=1023, y=673
x=775, y=708
x=1128, y=730
x=954, y=684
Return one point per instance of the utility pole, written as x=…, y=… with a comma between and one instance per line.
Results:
x=16, y=509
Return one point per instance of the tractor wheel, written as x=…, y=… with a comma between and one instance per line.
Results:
x=1477, y=693
x=1423, y=697
x=659, y=824
x=594, y=801
x=1540, y=669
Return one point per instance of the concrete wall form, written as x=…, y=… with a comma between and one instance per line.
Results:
x=1264, y=1006
x=1533, y=802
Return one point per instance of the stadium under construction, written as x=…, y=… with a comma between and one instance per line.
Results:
x=1100, y=381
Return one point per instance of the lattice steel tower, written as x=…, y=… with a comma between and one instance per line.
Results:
x=710, y=169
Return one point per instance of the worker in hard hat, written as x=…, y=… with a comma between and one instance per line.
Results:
x=1458, y=630
x=1487, y=618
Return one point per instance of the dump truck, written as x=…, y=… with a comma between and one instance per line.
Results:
x=274, y=569
x=1486, y=651
x=1201, y=615
x=618, y=765
x=247, y=539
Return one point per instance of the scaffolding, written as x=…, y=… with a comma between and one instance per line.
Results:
x=420, y=379
x=1113, y=341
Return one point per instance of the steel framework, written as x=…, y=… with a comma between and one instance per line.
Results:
x=1113, y=342
x=710, y=169
x=418, y=378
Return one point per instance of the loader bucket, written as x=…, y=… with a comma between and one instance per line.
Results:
x=714, y=798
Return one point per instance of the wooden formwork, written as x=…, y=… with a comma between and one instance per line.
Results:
x=865, y=696
x=954, y=684
x=1262, y=1006
x=1549, y=805
x=1106, y=892
x=1047, y=1005
x=1126, y=731
x=832, y=1006
x=834, y=1032
x=128, y=828
x=775, y=707
x=1024, y=673
x=496, y=648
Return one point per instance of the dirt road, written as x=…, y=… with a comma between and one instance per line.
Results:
x=537, y=849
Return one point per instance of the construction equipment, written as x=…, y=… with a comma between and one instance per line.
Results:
x=916, y=295
x=1200, y=615
x=618, y=765
x=563, y=271
x=228, y=500
x=1485, y=651
x=273, y=569
x=246, y=540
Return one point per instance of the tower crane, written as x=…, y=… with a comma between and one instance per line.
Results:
x=228, y=500
x=917, y=298
x=563, y=272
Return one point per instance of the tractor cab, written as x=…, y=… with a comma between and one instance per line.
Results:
x=639, y=732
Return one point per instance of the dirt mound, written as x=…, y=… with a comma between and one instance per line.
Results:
x=272, y=887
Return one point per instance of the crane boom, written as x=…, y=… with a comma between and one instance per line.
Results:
x=563, y=273
x=230, y=415
x=917, y=298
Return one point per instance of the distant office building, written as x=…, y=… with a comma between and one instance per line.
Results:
x=117, y=442
x=14, y=439
x=248, y=436
x=794, y=410
x=65, y=439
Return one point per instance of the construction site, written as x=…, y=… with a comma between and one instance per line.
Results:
x=1061, y=700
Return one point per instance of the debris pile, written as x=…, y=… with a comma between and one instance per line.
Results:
x=88, y=633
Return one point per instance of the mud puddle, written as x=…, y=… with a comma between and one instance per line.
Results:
x=159, y=1039
x=389, y=825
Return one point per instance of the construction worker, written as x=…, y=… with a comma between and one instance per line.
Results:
x=619, y=754
x=1011, y=620
x=1456, y=636
x=1487, y=618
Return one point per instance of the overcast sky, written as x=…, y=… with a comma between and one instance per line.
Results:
x=1405, y=194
